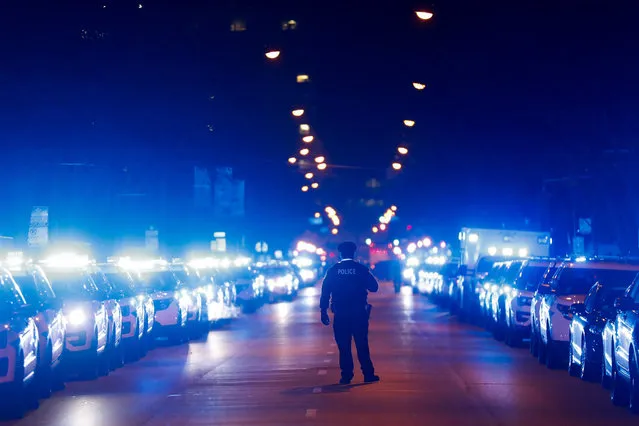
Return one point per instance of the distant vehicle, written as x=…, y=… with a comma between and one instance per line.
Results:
x=171, y=303
x=50, y=323
x=480, y=248
x=18, y=346
x=194, y=292
x=519, y=299
x=498, y=296
x=280, y=281
x=569, y=286
x=219, y=296
x=250, y=288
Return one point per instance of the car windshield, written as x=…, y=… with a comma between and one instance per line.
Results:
x=530, y=277
x=485, y=264
x=511, y=272
x=27, y=286
x=495, y=273
x=160, y=281
x=122, y=283
x=580, y=280
x=10, y=297
x=72, y=285
x=607, y=296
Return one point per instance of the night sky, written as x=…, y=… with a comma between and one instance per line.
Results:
x=518, y=92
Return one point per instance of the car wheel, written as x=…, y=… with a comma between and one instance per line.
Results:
x=619, y=390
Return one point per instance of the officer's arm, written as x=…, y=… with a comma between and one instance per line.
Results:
x=325, y=298
x=371, y=283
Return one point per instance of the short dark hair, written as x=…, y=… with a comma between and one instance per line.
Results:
x=347, y=249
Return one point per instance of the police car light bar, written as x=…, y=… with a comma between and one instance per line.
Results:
x=67, y=260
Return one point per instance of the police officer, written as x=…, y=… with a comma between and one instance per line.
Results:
x=346, y=288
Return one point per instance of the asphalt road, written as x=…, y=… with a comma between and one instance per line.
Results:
x=279, y=367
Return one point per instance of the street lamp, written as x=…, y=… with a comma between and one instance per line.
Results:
x=409, y=123
x=423, y=15
x=305, y=128
x=304, y=188
x=419, y=86
x=397, y=166
x=308, y=175
x=298, y=112
x=402, y=150
x=320, y=159
x=292, y=160
x=334, y=231
x=382, y=227
x=375, y=230
x=394, y=208
x=321, y=166
x=308, y=139
x=315, y=185
x=272, y=54
x=317, y=215
x=304, y=151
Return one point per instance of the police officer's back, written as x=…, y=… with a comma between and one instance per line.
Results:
x=345, y=290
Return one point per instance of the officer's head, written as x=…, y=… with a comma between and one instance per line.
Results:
x=347, y=250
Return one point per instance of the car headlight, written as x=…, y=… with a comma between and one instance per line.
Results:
x=76, y=317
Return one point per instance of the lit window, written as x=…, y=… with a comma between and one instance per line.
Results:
x=289, y=25
x=238, y=25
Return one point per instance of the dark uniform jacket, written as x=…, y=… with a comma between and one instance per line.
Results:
x=346, y=287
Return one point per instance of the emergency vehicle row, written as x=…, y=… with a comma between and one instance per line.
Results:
x=582, y=314
x=67, y=316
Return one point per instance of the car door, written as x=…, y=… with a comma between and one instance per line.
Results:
x=580, y=321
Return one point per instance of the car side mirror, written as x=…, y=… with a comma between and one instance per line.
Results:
x=578, y=308
x=624, y=304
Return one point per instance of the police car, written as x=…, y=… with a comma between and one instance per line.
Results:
x=219, y=296
x=133, y=306
x=18, y=345
x=280, y=281
x=569, y=286
x=171, y=303
x=86, y=317
x=193, y=292
x=50, y=324
x=115, y=349
x=249, y=287
x=519, y=299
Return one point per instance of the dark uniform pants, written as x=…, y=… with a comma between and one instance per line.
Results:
x=345, y=327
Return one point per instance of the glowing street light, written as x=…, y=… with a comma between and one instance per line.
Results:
x=304, y=188
x=317, y=215
x=375, y=230
x=334, y=231
x=298, y=112
x=302, y=78
x=402, y=150
x=272, y=54
x=305, y=128
x=321, y=166
x=292, y=160
x=308, y=175
x=423, y=15
x=320, y=159
x=368, y=241
x=419, y=86
x=304, y=151
x=394, y=208
x=397, y=166
x=308, y=139
x=409, y=123
x=315, y=185
x=382, y=227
